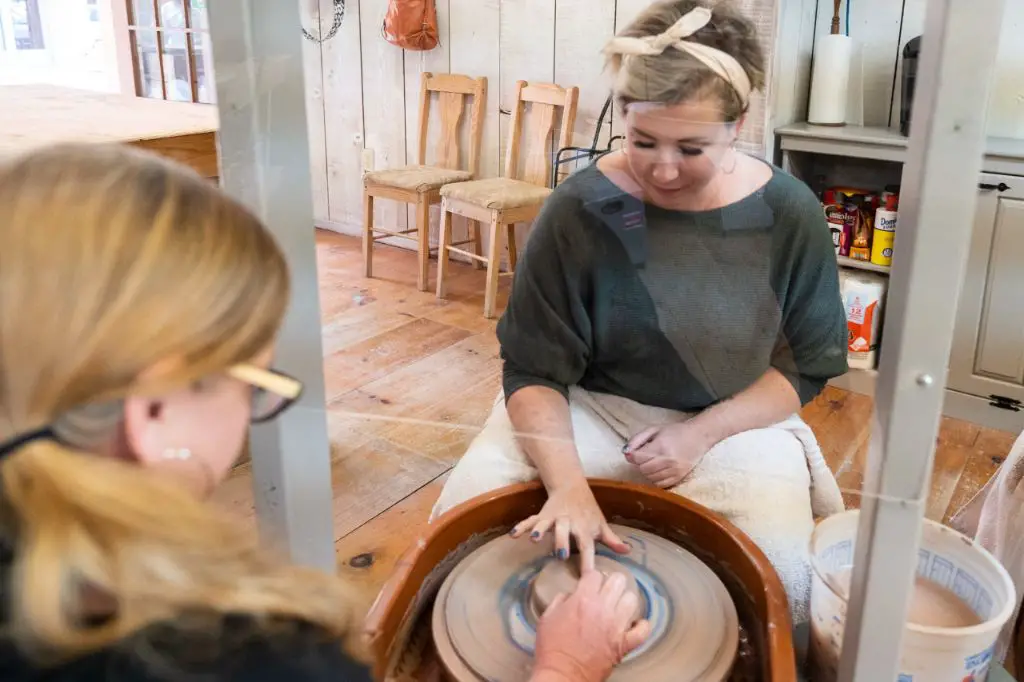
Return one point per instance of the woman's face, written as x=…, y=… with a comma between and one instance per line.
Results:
x=677, y=149
x=195, y=433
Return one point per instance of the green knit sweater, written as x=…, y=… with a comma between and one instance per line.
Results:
x=674, y=309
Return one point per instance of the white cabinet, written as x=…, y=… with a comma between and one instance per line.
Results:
x=987, y=359
x=985, y=384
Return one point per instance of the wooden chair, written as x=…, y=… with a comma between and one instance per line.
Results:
x=517, y=196
x=419, y=184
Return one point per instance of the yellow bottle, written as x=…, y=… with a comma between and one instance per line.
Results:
x=883, y=237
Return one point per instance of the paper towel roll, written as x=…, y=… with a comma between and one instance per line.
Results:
x=830, y=81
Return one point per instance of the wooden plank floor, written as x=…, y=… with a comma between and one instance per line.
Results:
x=409, y=378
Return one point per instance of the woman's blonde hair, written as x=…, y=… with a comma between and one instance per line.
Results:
x=673, y=76
x=111, y=262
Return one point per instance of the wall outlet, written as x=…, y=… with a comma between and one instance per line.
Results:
x=367, y=160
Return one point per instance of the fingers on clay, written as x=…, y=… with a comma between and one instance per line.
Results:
x=540, y=529
x=521, y=527
x=609, y=538
x=562, y=529
x=586, y=546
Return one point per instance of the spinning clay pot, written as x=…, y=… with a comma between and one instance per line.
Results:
x=562, y=576
x=718, y=610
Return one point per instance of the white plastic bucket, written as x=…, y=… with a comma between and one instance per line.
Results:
x=929, y=654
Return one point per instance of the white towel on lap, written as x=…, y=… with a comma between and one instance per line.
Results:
x=770, y=482
x=995, y=518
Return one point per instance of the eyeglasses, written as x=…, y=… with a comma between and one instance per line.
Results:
x=272, y=392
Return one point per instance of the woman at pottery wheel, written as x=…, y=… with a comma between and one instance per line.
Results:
x=139, y=308
x=676, y=305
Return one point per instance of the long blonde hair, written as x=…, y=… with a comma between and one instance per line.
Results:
x=111, y=261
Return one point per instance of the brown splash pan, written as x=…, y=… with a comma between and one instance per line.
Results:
x=401, y=612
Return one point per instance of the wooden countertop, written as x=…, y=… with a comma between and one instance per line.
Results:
x=35, y=115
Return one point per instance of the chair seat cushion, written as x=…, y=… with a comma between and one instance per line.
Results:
x=416, y=178
x=497, y=193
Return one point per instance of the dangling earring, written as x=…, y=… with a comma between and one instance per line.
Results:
x=177, y=453
x=732, y=151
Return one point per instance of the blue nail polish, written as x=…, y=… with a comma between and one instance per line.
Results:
x=563, y=554
x=512, y=532
x=535, y=534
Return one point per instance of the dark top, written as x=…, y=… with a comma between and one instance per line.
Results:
x=674, y=309
x=238, y=654
x=235, y=649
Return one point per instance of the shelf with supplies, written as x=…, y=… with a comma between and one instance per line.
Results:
x=857, y=170
x=847, y=262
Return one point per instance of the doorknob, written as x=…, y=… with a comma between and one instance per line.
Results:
x=1002, y=186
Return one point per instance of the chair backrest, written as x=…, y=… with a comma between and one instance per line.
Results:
x=532, y=134
x=453, y=90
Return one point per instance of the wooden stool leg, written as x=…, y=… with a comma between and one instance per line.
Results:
x=423, y=233
x=513, y=254
x=493, y=266
x=478, y=243
x=367, y=234
x=444, y=240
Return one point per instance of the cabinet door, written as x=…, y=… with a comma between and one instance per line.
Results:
x=988, y=344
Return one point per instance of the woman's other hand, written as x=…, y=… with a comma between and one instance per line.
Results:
x=580, y=638
x=667, y=454
x=572, y=511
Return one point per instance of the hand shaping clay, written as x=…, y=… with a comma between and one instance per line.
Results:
x=485, y=614
x=561, y=577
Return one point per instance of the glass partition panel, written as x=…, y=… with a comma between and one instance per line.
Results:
x=721, y=299
x=557, y=267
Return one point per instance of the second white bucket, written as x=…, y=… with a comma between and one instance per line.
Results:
x=929, y=653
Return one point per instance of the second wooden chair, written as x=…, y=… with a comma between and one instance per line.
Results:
x=420, y=184
x=516, y=197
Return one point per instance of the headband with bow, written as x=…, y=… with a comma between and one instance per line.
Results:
x=722, y=63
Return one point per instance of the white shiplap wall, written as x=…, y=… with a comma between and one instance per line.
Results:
x=342, y=77
x=365, y=90
x=1006, y=107
x=312, y=56
x=880, y=29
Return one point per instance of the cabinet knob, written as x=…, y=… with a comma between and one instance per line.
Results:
x=1002, y=186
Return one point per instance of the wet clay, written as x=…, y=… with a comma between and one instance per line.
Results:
x=402, y=622
x=561, y=577
x=931, y=605
x=485, y=615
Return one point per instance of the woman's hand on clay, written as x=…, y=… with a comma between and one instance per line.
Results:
x=667, y=454
x=581, y=637
x=572, y=511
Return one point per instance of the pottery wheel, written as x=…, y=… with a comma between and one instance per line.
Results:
x=484, y=621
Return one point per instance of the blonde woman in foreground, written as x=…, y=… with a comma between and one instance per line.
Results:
x=138, y=312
